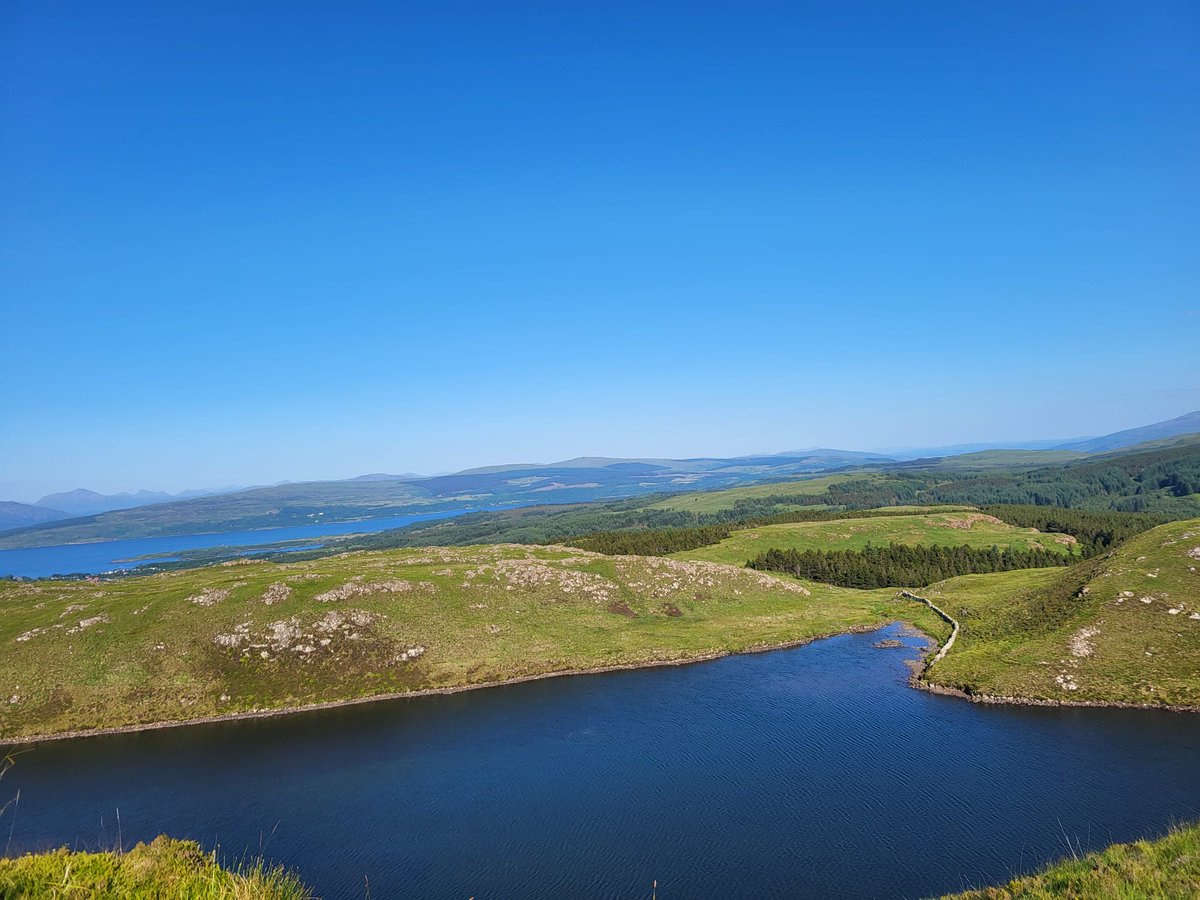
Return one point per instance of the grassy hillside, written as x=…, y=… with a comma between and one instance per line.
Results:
x=237, y=638
x=1166, y=868
x=801, y=491
x=1121, y=627
x=165, y=868
x=942, y=528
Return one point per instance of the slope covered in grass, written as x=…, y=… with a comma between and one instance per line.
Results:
x=784, y=491
x=254, y=636
x=1122, y=627
x=941, y=528
x=163, y=869
x=1166, y=868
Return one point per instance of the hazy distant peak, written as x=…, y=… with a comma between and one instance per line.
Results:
x=1188, y=423
x=84, y=502
x=18, y=515
x=383, y=476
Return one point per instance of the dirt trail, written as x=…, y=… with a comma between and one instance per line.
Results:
x=945, y=615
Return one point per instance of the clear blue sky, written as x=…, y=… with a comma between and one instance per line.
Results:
x=246, y=242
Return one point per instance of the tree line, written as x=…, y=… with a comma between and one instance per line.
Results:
x=651, y=541
x=662, y=541
x=900, y=565
x=1095, y=530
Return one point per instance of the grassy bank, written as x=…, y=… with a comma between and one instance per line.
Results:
x=239, y=638
x=1123, y=627
x=1165, y=868
x=164, y=868
x=803, y=491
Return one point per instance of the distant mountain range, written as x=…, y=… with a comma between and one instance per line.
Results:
x=82, y=502
x=83, y=515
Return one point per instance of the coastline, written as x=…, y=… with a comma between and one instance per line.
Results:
x=426, y=692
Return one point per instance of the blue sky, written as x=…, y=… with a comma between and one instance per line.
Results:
x=241, y=243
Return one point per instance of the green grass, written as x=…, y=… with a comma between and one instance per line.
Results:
x=715, y=501
x=204, y=642
x=1084, y=633
x=1165, y=868
x=942, y=528
x=165, y=868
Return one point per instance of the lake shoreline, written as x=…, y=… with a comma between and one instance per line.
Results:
x=916, y=680
x=431, y=692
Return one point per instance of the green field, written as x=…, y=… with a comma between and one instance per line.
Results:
x=716, y=501
x=237, y=638
x=942, y=528
x=165, y=868
x=1123, y=627
x=1167, y=868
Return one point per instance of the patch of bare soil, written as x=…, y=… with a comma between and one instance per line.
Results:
x=621, y=608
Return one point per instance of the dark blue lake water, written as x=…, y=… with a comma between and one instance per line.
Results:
x=813, y=772
x=107, y=556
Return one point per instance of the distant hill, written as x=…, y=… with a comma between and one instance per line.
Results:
x=1119, y=440
x=787, y=462
x=1169, y=443
x=18, y=515
x=82, y=502
x=945, y=450
x=1006, y=459
x=579, y=480
x=375, y=496
x=383, y=476
x=825, y=453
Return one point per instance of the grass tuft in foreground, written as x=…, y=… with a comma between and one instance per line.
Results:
x=164, y=868
x=1166, y=868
